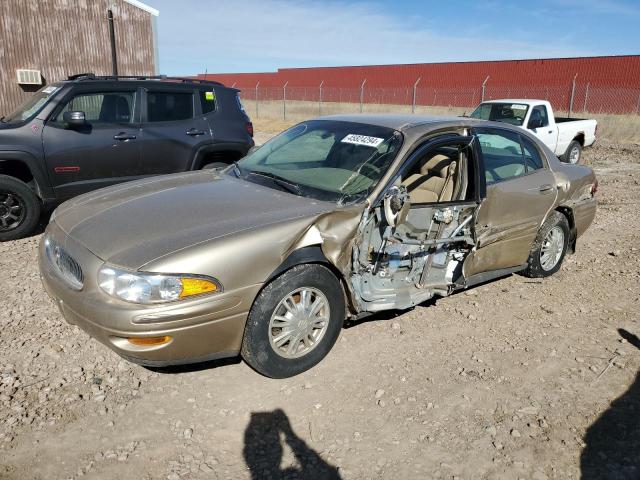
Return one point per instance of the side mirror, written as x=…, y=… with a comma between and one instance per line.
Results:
x=74, y=119
x=396, y=205
x=535, y=123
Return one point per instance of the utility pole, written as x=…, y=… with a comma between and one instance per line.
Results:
x=112, y=41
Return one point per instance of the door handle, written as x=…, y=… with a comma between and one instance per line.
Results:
x=124, y=136
x=546, y=188
x=194, y=133
x=550, y=131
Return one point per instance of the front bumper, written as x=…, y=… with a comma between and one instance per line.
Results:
x=200, y=329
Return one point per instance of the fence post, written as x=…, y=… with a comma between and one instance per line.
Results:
x=413, y=104
x=484, y=86
x=284, y=100
x=234, y=85
x=320, y=98
x=362, y=93
x=638, y=105
x=257, y=112
x=586, y=98
x=573, y=93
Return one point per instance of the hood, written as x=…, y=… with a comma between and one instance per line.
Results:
x=134, y=223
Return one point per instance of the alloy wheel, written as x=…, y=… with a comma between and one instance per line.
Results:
x=12, y=211
x=552, y=249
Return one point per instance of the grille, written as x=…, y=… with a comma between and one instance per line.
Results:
x=67, y=268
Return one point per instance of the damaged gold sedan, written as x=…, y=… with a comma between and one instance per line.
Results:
x=335, y=218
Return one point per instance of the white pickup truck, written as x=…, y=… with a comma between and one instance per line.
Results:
x=566, y=137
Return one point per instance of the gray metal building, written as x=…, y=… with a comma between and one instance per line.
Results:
x=42, y=41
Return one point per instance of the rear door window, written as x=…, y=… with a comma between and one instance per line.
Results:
x=169, y=106
x=532, y=158
x=207, y=100
x=502, y=154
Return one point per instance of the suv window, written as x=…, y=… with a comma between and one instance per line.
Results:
x=102, y=107
x=169, y=106
x=502, y=154
x=207, y=100
x=532, y=158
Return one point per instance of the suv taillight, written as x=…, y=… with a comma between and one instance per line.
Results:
x=249, y=127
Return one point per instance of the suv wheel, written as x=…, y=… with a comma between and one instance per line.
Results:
x=294, y=321
x=19, y=209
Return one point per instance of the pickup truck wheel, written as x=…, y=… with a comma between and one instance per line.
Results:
x=19, y=209
x=549, y=248
x=294, y=321
x=573, y=153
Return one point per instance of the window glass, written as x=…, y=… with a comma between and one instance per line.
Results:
x=539, y=113
x=102, y=107
x=169, y=106
x=511, y=113
x=207, y=100
x=532, y=158
x=502, y=154
x=32, y=105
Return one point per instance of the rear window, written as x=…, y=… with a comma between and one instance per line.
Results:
x=169, y=106
x=208, y=100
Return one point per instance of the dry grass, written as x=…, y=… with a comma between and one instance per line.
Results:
x=269, y=118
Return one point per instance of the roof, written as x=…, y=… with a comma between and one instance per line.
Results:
x=143, y=6
x=397, y=122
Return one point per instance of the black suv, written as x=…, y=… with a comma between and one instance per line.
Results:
x=89, y=132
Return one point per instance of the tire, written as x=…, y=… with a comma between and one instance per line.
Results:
x=259, y=347
x=19, y=209
x=214, y=165
x=546, y=259
x=573, y=155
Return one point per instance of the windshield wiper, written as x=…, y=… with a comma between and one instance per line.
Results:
x=284, y=183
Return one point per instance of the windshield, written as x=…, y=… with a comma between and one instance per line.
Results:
x=32, y=105
x=511, y=113
x=324, y=159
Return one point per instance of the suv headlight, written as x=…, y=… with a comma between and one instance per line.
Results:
x=150, y=288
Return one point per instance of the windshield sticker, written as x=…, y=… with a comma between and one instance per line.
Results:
x=517, y=106
x=48, y=90
x=209, y=96
x=362, y=140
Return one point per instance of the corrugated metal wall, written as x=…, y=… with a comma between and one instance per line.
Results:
x=64, y=37
x=606, y=84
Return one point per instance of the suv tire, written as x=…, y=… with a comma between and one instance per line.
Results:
x=294, y=321
x=19, y=209
x=550, y=247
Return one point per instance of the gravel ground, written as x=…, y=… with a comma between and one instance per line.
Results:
x=517, y=378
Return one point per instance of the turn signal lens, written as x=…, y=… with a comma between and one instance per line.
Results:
x=149, y=341
x=196, y=286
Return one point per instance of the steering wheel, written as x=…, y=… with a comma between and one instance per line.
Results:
x=372, y=168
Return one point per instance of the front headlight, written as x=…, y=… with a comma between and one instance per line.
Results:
x=146, y=288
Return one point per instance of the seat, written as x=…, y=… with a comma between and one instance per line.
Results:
x=434, y=183
x=115, y=109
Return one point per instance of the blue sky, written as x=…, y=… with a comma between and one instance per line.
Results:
x=262, y=35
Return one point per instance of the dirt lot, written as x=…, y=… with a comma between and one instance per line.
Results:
x=514, y=379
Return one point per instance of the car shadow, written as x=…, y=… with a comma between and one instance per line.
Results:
x=266, y=436
x=196, y=367
x=613, y=441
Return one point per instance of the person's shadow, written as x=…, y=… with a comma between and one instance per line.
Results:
x=613, y=441
x=263, y=450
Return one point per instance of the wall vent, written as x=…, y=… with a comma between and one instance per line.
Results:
x=29, y=77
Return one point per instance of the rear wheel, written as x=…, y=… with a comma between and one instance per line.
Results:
x=550, y=247
x=294, y=322
x=19, y=209
x=573, y=153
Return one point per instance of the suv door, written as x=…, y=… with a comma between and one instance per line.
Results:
x=520, y=191
x=102, y=152
x=174, y=129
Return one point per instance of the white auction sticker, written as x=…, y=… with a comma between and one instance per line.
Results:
x=517, y=106
x=362, y=140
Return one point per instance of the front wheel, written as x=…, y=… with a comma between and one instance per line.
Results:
x=549, y=248
x=294, y=322
x=573, y=153
x=19, y=209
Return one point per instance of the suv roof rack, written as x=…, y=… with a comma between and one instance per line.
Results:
x=93, y=76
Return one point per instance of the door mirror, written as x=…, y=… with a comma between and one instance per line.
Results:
x=535, y=123
x=396, y=205
x=74, y=119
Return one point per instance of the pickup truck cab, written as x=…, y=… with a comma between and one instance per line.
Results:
x=89, y=132
x=566, y=137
